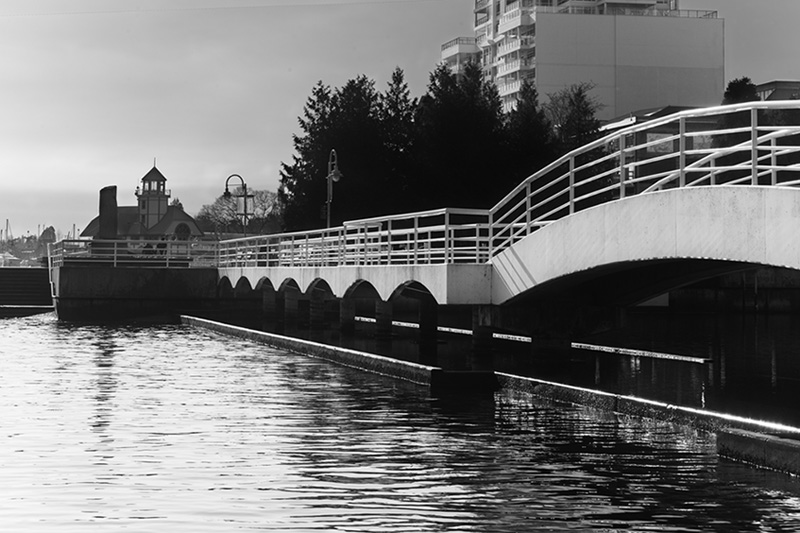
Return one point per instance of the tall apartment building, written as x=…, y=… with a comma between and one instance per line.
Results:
x=638, y=53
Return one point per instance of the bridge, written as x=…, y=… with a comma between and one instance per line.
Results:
x=680, y=198
x=645, y=209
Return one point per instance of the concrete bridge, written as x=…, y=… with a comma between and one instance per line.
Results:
x=649, y=207
x=643, y=210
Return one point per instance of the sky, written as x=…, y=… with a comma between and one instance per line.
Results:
x=93, y=91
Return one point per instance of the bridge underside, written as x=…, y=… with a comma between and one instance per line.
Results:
x=629, y=250
x=631, y=283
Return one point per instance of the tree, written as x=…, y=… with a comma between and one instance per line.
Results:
x=300, y=192
x=222, y=216
x=739, y=91
x=572, y=112
x=461, y=140
x=397, y=128
x=530, y=136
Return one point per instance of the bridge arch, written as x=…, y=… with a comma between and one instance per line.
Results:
x=243, y=288
x=289, y=285
x=320, y=288
x=224, y=288
x=413, y=289
x=362, y=289
x=702, y=230
x=264, y=284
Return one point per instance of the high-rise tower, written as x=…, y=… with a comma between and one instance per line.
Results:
x=637, y=53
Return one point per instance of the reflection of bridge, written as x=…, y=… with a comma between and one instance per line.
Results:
x=647, y=208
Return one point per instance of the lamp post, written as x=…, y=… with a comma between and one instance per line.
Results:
x=241, y=200
x=333, y=175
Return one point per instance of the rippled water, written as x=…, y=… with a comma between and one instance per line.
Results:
x=176, y=429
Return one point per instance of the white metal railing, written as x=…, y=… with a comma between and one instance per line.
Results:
x=134, y=253
x=756, y=143
x=442, y=236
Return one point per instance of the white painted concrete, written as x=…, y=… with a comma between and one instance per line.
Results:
x=449, y=284
x=759, y=225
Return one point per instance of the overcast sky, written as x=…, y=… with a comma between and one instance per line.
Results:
x=93, y=90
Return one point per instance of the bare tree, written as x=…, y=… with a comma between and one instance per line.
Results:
x=222, y=216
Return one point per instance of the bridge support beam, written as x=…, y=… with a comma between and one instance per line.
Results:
x=288, y=307
x=316, y=310
x=482, y=338
x=347, y=316
x=383, y=320
x=269, y=304
x=428, y=320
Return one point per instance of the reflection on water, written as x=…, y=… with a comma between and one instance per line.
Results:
x=753, y=363
x=177, y=429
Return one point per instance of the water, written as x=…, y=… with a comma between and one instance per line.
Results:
x=175, y=429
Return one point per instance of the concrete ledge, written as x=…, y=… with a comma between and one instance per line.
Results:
x=377, y=364
x=763, y=444
x=773, y=451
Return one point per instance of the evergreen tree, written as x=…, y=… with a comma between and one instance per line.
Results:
x=398, y=133
x=530, y=136
x=461, y=138
x=739, y=91
x=300, y=192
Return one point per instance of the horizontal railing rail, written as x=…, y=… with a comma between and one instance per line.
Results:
x=442, y=236
x=134, y=253
x=756, y=143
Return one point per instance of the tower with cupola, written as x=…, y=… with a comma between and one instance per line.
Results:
x=152, y=198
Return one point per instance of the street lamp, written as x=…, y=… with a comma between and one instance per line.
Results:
x=241, y=200
x=333, y=175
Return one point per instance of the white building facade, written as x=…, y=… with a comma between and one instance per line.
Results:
x=637, y=53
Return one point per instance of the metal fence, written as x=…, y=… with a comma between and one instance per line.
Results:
x=443, y=236
x=756, y=143
x=134, y=253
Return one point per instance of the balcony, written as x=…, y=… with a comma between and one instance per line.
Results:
x=509, y=88
x=481, y=5
x=516, y=18
x=515, y=44
x=509, y=67
x=459, y=46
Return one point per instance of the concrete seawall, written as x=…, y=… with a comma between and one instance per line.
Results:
x=108, y=293
x=760, y=443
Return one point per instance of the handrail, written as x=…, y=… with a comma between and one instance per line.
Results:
x=441, y=236
x=755, y=143
x=123, y=253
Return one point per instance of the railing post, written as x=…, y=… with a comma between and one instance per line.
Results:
x=490, y=236
x=342, y=245
x=754, y=145
x=773, y=162
x=416, y=240
x=528, y=208
x=682, y=153
x=572, y=185
x=389, y=243
x=447, y=250
x=622, y=166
